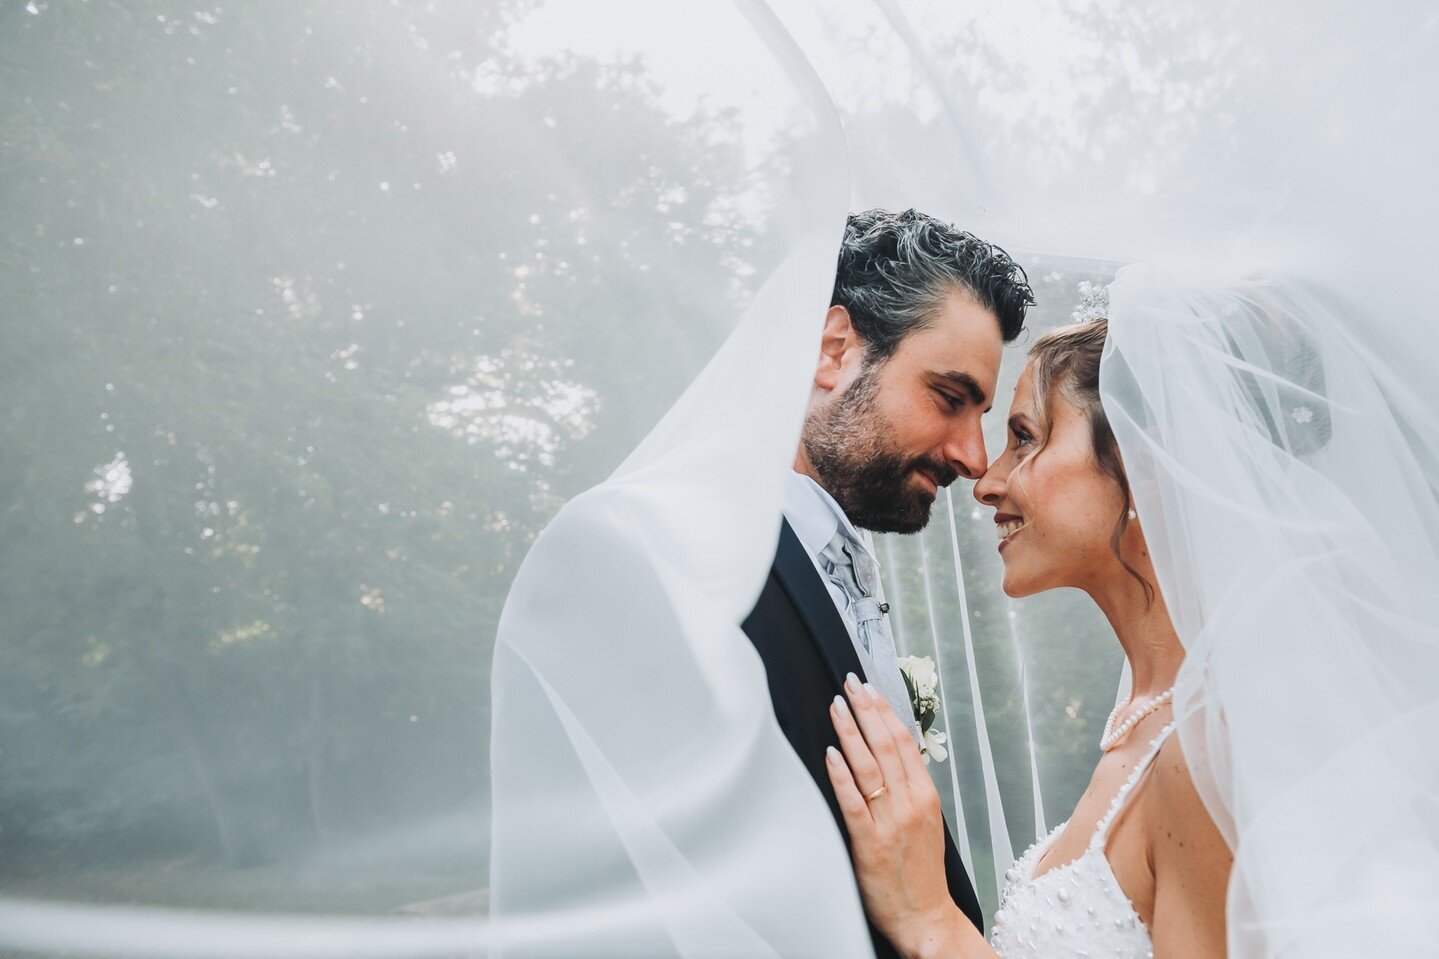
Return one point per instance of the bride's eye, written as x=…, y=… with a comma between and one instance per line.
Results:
x=1021, y=439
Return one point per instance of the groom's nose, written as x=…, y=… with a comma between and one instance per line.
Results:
x=965, y=452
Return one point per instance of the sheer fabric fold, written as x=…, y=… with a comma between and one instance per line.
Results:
x=1293, y=532
x=635, y=750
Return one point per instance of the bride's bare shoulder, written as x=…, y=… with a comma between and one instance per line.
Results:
x=1182, y=821
x=1192, y=862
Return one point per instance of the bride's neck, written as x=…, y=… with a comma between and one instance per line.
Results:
x=1145, y=631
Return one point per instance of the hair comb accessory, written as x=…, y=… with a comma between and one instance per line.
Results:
x=1093, y=302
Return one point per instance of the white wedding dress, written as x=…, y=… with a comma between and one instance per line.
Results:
x=1078, y=909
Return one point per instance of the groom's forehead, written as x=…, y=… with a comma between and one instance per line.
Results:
x=965, y=348
x=961, y=322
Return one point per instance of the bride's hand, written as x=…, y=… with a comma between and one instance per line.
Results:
x=895, y=824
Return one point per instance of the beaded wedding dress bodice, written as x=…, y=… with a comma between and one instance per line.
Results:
x=1077, y=910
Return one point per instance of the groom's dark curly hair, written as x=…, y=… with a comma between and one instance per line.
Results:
x=895, y=269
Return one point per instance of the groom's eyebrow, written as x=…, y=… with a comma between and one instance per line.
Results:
x=966, y=384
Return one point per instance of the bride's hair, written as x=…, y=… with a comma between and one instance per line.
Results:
x=895, y=269
x=1066, y=360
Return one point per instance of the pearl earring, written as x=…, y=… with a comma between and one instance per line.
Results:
x=1133, y=513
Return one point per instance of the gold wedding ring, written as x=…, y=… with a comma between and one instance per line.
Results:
x=877, y=793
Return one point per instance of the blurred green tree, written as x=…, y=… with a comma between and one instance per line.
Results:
x=305, y=336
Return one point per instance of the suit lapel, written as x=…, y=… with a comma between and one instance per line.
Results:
x=811, y=598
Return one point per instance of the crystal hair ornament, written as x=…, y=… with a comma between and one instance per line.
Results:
x=1093, y=302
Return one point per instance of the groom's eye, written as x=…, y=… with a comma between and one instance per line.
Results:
x=953, y=401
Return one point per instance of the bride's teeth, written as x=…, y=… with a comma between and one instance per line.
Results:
x=1006, y=530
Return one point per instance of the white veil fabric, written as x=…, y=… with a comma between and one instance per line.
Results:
x=1294, y=530
x=260, y=699
x=634, y=750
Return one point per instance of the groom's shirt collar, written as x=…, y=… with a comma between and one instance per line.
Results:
x=814, y=515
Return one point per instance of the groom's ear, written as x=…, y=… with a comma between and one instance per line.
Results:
x=840, y=350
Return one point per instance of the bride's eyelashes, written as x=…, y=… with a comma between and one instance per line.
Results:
x=1019, y=433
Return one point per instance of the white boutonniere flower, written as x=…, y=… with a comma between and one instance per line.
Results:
x=922, y=681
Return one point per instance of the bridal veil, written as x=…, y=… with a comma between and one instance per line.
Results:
x=333, y=328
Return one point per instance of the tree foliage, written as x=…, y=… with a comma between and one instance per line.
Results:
x=305, y=335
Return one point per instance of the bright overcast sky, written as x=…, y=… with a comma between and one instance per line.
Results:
x=706, y=49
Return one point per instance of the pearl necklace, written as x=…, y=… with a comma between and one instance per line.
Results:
x=1113, y=737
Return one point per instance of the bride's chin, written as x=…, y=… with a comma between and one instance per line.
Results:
x=1016, y=588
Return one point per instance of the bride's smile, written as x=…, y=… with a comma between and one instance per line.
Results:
x=1060, y=498
x=1006, y=525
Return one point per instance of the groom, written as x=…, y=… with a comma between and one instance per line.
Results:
x=906, y=368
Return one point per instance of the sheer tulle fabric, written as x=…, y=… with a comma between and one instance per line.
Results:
x=635, y=750
x=1293, y=531
x=1271, y=384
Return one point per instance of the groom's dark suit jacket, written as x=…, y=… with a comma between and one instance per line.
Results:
x=807, y=652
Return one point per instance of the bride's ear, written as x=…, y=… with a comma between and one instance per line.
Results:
x=839, y=348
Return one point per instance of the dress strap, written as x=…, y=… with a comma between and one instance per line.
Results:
x=1101, y=832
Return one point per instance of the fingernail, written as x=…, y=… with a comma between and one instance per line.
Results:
x=841, y=705
x=873, y=693
x=831, y=754
x=851, y=681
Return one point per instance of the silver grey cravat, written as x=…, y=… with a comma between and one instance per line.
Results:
x=854, y=571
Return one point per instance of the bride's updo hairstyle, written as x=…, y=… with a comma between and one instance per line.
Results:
x=1066, y=361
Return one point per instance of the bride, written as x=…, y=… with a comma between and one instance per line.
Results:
x=1176, y=459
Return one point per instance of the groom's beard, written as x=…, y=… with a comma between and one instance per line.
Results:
x=871, y=481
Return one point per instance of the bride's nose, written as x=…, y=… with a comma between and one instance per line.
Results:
x=989, y=489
